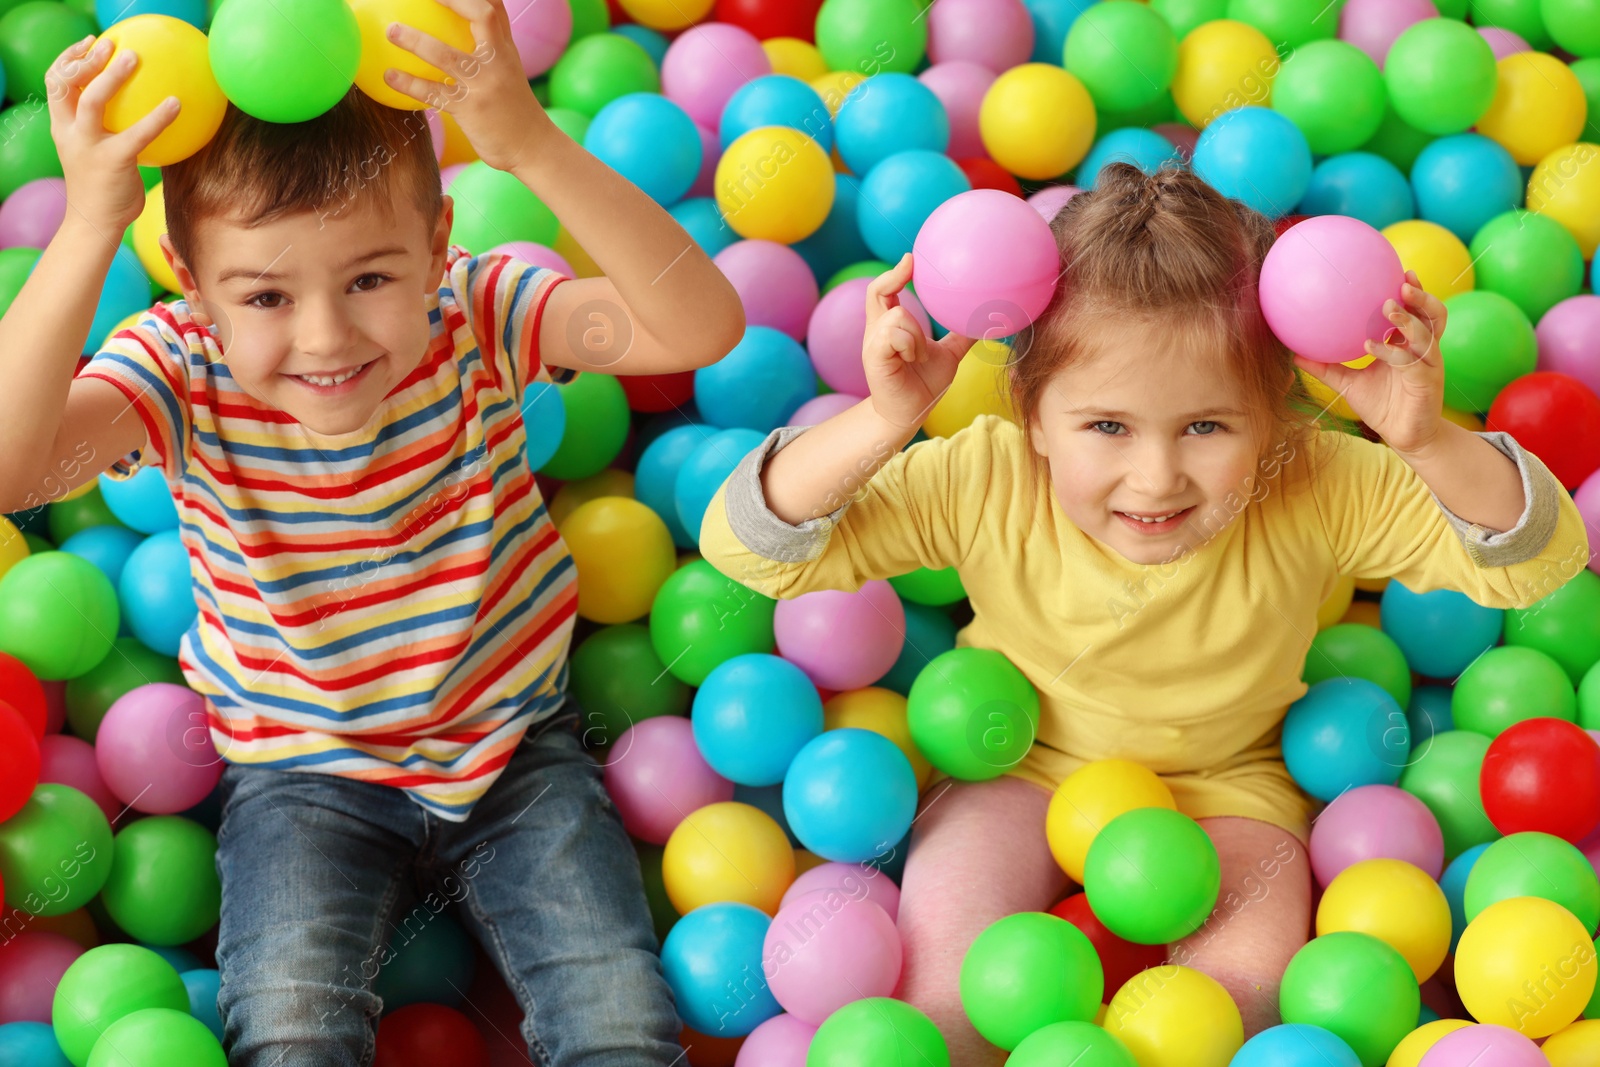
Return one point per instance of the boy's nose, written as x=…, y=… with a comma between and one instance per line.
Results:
x=322, y=330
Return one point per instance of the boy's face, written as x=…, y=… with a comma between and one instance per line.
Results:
x=307, y=295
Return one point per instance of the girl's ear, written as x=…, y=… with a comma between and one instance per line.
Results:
x=1036, y=436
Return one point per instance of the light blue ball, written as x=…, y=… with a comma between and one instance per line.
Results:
x=899, y=194
x=649, y=140
x=107, y=547
x=1428, y=714
x=1295, y=1045
x=850, y=794
x=712, y=961
x=126, y=292
x=776, y=100
x=1257, y=156
x=180, y=959
x=203, y=986
x=1145, y=149
x=1464, y=180
x=703, y=473
x=1454, y=884
x=1362, y=186
x=109, y=12
x=1345, y=732
x=752, y=715
x=702, y=220
x=1440, y=632
x=654, y=44
x=1052, y=21
x=430, y=958
x=656, y=476
x=544, y=421
x=30, y=1045
x=837, y=242
x=757, y=385
x=886, y=114
x=154, y=593
x=143, y=502
x=929, y=632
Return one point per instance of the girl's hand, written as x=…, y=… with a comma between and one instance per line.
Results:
x=1401, y=395
x=906, y=372
x=101, y=168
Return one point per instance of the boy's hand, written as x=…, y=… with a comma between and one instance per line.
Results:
x=906, y=372
x=490, y=97
x=101, y=168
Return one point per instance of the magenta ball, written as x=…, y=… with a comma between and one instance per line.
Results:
x=774, y=283
x=1484, y=1045
x=541, y=30
x=435, y=132
x=1588, y=500
x=849, y=880
x=710, y=155
x=30, y=216
x=839, y=326
x=997, y=34
x=960, y=86
x=71, y=761
x=986, y=264
x=1590, y=846
x=1051, y=199
x=842, y=640
x=1503, y=42
x=1323, y=286
x=821, y=954
x=656, y=775
x=154, y=749
x=781, y=1041
x=55, y=702
x=538, y=255
x=449, y=174
x=1569, y=339
x=1373, y=25
x=1375, y=822
x=820, y=409
x=706, y=64
x=31, y=966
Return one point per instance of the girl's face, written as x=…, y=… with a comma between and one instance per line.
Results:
x=1145, y=445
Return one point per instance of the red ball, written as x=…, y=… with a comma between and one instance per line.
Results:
x=1542, y=775
x=987, y=174
x=424, y=1035
x=24, y=692
x=1557, y=418
x=19, y=762
x=657, y=392
x=1286, y=223
x=1120, y=959
x=772, y=18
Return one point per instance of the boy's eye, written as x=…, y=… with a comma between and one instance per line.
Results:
x=256, y=301
x=377, y=278
x=1204, y=427
x=1108, y=427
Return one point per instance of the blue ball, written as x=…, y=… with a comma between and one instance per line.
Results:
x=1258, y=156
x=759, y=384
x=143, y=502
x=656, y=476
x=1463, y=181
x=1454, y=884
x=1428, y=714
x=180, y=959
x=703, y=221
x=1425, y=1014
x=30, y=1045
x=1440, y=632
x=929, y=632
x=203, y=986
x=1145, y=149
x=850, y=795
x=154, y=593
x=712, y=961
x=837, y=242
x=776, y=100
x=886, y=114
x=1345, y=732
x=429, y=957
x=703, y=473
x=652, y=42
x=649, y=140
x=544, y=421
x=768, y=798
x=126, y=292
x=1295, y=1045
x=751, y=716
x=109, y=12
x=899, y=194
x=107, y=547
x=1052, y=21
x=1362, y=186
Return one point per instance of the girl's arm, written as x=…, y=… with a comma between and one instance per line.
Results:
x=1471, y=477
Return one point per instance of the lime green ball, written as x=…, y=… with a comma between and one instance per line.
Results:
x=1444, y=776
x=156, y=1037
x=1356, y=987
x=1489, y=343
x=37, y=544
x=597, y=427
x=1451, y=9
x=58, y=614
x=15, y=266
x=1508, y=684
x=869, y=268
x=1532, y=864
x=1397, y=140
x=1029, y=970
x=877, y=1031
x=27, y=151
x=702, y=618
x=1159, y=110
x=1124, y=53
x=575, y=124
x=32, y=36
x=1564, y=625
x=163, y=888
x=972, y=713
x=130, y=664
x=1352, y=650
x=1152, y=876
x=262, y=63
x=1588, y=72
x=1575, y=25
x=1589, y=700
x=589, y=17
x=1289, y=24
x=663, y=916
x=1075, y=1043
x=1441, y=76
x=82, y=512
x=618, y=680
x=936, y=588
x=872, y=36
x=55, y=854
x=106, y=984
x=1521, y=17
x=599, y=69
x=1530, y=259
x=1185, y=15
x=493, y=207
x=1334, y=93
x=151, y=176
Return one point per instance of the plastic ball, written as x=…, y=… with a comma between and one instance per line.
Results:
x=163, y=888
x=1463, y=181
x=1324, y=283
x=58, y=831
x=781, y=1041
x=887, y=115
x=1531, y=864
x=973, y=713
x=1566, y=187
x=849, y=795
x=1509, y=684
x=999, y=34
x=1516, y=946
x=1077, y=1043
x=872, y=35
x=31, y=965
x=1373, y=25
x=143, y=502
x=203, y=986
x=727, y=852
x=156, y=600
x=1429, y=714
x=1543, y=775
x=378, y=53
x=1399, y=904
x=1483, y=1044
x=774, y=283
x=1089, y=798
x=1530, y=259
x=1175, y=1015
x=1026, y=971
x=1489, y=344
x=1345, y=732
x=1440, y=258
x=960, y=87
x=420, y=1034
x=1563, y=624
x=667, y=14
x=1441, y=76
x=32, y=36
x=19, y=761
x=705, y=65
x=1152, y=876
x=155, y=751
x=776, y=100
x=433, y=966
x=248, y=45
x=1445, y=778
x=1144, y=149
x=541, y=33
x=1375, y=822
x=849, y=881
x=623, y=552
x=882, y=711
x=823, y=952
x=703, y=618
x=1572, y=24
x=1125, y=54
x=775, y=183
x=30, y=1044
x=106, y=984
x=1362, y=186
x=1295, y=1045
x=1409, y=1053
x=769, y=19
x=1538, y=108
x=1223, y=65
x=1037, y=121
x=1119, y=958
x=878, y=1029
x=1440, y=632
x=1257, y=156
x=710, y=949
x=656, y=776
x=1555, y=417
x=752, y=714
x=837, y=329
x=1356, y=987
x=842, y=640
x=649, y=140
x=1334, y=93
x=599, y=68
x=157, y=1036
x=1574, y=1046
x=1569, y=339
x=986, y=263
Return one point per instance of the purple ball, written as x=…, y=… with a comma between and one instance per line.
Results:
x=997, y=34
x=154, y=749
x=838, y=329
x=1569, y=339
x=31, y=966
x=706, y=64
x=538, y=255
x=71, y=761
x=781, y=1041
x=541, y=30
x=842, y=640
x=774, y=282
x=705, y=183
x=656, y=776
x=1503, y=42
x=30, y=216
x=1052, y=198
x=1375, y=822
x=1588, y=500
x=960, y=86
x=820, y=409
x=1373, y=25
x=1484, y=1045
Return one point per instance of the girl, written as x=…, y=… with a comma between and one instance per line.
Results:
x=1148, y=542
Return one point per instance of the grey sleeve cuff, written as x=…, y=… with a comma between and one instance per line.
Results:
x=754, y=523
x=1535, y=527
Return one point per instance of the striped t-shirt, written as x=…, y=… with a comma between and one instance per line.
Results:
x=397, y=609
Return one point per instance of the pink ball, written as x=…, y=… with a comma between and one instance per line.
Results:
x=31, y=966
x=851, y=880
x=1051, y=199
x=710, y=156
x=822, y=953
x=820, y=409
x=1588, y=500
x=1503, y=42
x=1183, y=137
x=656, y=775
x=774, y=283
x=842, y=640
x=1484, y=1045
x=960, y=87
x=1569, y=339
x=997, y=34
x=435, y=131
x=1373, y=25
x=449, y=173
x=71, y=761
x=707, y=64
x=538, y=255
x=541, y=30
x=30, y=216
x=1590, y=846
x=1375, y=822
x=986, y=264
x=154, y=749
x=781, y=1041
x=1323, y=285
x=838, y=328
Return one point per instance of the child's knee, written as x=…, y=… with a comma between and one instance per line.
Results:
x=289, y=1000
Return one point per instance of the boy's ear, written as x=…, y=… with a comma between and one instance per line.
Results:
x=186, y=282
x=441, y=236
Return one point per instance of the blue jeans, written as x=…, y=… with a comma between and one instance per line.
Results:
x=313, y=868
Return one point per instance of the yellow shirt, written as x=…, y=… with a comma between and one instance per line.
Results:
x=1186, y=667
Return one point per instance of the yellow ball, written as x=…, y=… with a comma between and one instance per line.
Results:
x=1372, y=585
x=981, y=387
x=1223, y=65
x=883, y=711
x=667, y=14
x=583, y=264
x=1365, y=612
x=1326, y=399
x=379, y=54
x=457, y=149
x=1037, y=121
x=804, y=861
x=1411, y=1049
x=1525, y=963
x=727, y=851
x=1395, y=902
x=1174, y=1016
x=834, y=86
x=624, y=552
x=1566, y=186
x=573, y=495
x=794, y=57
x=1463, y=418
x=147, y=231
x=1333, y=608
x=13, y=546
x=1538, y=107
x=1092, y=796
x=173, y=61
x=1576, y=1046
x=775, y=184
x=1442, y=262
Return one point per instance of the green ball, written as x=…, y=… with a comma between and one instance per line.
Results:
x=1532, y=864
x=158, y=1037
x=1334, y=93
x=872, y=36
x=55, y=854
x=163, y=888
x=1026, y=971
x=106, y=984
x=972, y=713
x=1575, y=25
x=1124, y=53
x=868, y=268
x=1521, y=17
x=1397, y=140
x=1564, y=625
x=599, y=69
x=877, y=1031
x=27, y=151
x=702, y=618
x=15, y=266
x=618, y=680
x=1445, y=778
x=1353, y=650
x=1152, y=876
x=1289, y=24
x=1588, y=72
x=1530, y=259
x=493, y=207
x=589, y=17
x=663, y=916
x=597, y=427
x=58, y=614
x=936, y=588
x=575, y=124
x=130, y=664
x=1489, y=343
x=1509, y=684
x=1075, y=1043
x=32, y=36
x=1185, y=15
x=1356, y=987
x=1157, y=111
x=37, y=544
x=263, y=65
x=1441, y=76
x=82, y=512
x=1451, y=9
x=1589, y=700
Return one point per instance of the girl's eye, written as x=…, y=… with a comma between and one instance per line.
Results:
x=1204, y=428
x=1115, y=427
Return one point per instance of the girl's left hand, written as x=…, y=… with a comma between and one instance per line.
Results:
x=1401, y=394
x=490, y=97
